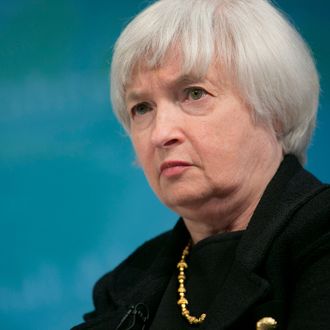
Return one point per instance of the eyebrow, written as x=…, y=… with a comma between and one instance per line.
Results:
x=134, y=96
x=187, y=79
x=180, y=81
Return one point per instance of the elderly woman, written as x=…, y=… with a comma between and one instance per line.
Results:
x=219, y=98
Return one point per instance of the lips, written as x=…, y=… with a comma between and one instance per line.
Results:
x=173, y=167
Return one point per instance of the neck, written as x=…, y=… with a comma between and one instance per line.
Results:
x=220, y=218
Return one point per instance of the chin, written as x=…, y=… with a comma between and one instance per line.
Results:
x=188, y=199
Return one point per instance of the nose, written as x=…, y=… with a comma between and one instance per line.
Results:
x=167, y=129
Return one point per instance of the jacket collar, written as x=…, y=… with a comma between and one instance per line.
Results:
x=288, y=190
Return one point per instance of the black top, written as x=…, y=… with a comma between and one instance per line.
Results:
x=281, y=268
x=209, y=262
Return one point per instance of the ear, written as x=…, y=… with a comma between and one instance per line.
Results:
x=278, y=128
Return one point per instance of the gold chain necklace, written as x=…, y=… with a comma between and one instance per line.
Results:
x=183, y=302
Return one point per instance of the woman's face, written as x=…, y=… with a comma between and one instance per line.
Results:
x=194, y=138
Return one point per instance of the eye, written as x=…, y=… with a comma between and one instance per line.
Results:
x=140, y=109
x=195, y=93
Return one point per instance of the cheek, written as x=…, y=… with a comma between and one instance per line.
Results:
x=224, y=143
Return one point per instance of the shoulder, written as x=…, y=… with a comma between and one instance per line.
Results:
x=301, y=207
x=111, y=289
x=148, y=264
x=304, y=237
x=293, y=213
x=310, y=222
x=129, y=271
x=307, y=242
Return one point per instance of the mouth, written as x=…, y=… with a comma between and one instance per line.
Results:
x=174, y=167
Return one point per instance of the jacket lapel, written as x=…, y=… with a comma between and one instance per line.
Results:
x=240, y=291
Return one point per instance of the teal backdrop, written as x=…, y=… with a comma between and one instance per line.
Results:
x=73, y=204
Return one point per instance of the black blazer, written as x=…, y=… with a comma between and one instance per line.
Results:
x=281, y=269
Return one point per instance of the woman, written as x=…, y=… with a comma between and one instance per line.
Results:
x=219, y=99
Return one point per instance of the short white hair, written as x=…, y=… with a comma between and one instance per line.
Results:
x=268, y=61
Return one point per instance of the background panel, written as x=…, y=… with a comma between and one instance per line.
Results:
x=73, y=204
